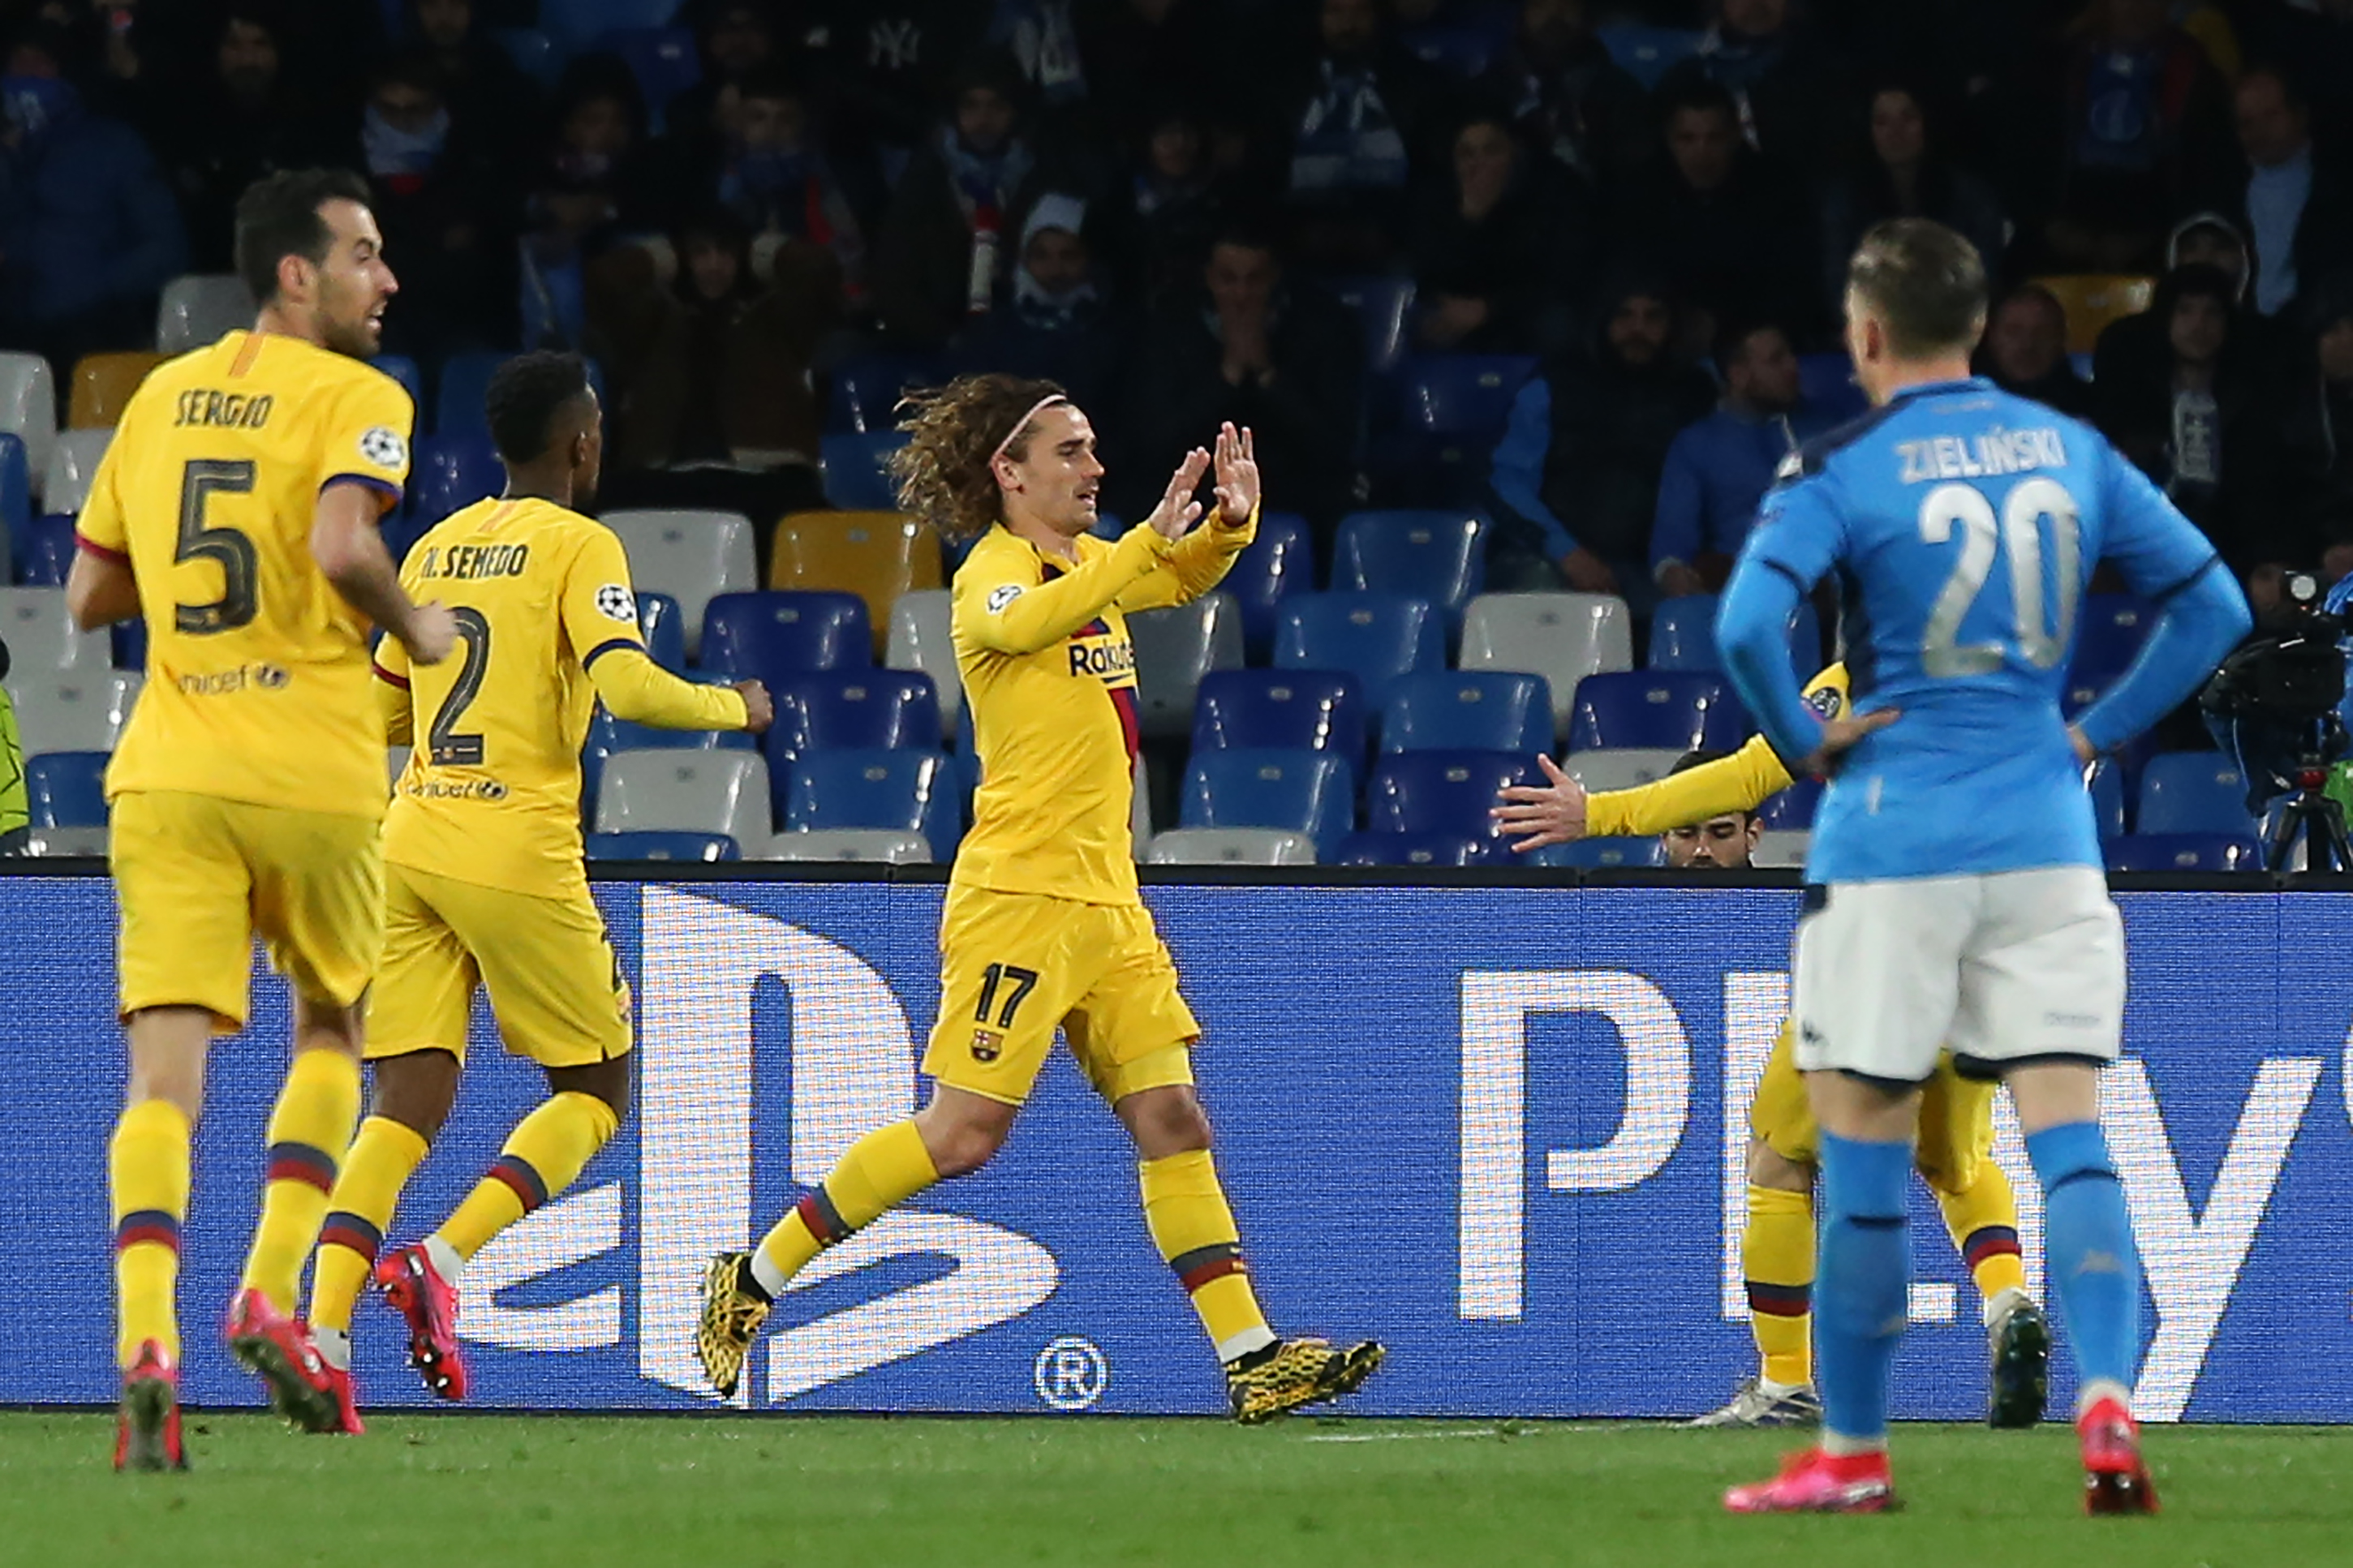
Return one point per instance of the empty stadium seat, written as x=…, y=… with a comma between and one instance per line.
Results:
x=870, y=709
x=877, y=555
x=82, y=712
x=45, y=552
x=922, y=639
x=73, y=464
x=857, y=846
x=664, y=628
x=1793, y=807
x=2110, y=630
x=2184, y=852
x=1683, y=635
x=2192, y=792
x=1442, y=792
x=1374, y=637
x=1311, y=793
x=1647, y=53
x=1385, y=306
x=54, y=843
x=103, y=385
x=665, y=60
x=652, y=846
x=1468, y=711
x=691, y=556
x=1281, y=709
x=15, y=497
x=1460, y=52
x=1453, y=408
x=453, y=472
x=1782, y=848
x=1826, y=382
x=1628, y=767
x=127, y=642
x=1562, y=636
x=1174, y=648
x=2107, y=786
x=865, y=391
x=685, y=792
x=41, y=635
x=458, y=396
x=1230, y=847
x=2092, y=300
x=1655, y=709
x=66, y=789
x=1420, y=849
x=772, y=636
x=854, y=476
x=28, y=410
x=1440, y=557
x=406, y=372
x=904, y=791
x=201, y=307
x=1279, y=561
x=1602, y=854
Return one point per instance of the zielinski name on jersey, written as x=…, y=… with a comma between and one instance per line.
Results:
x=472, y=563
x=1096, y=652
x=1995, y=452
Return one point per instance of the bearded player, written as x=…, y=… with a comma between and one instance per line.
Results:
x=1043, y=925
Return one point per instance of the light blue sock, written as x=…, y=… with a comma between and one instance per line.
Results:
x=1861, y=1285
x=2087, y=1242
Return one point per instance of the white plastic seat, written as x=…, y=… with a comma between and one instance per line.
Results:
x=73, y=711
x=691, y=556
x=868, y=845
x=395, y=762
x=53, y=842
x=1562, y=636
x=41, y=635
x=1173, y=649
x=73, y=464
x=199, y=308
x=922, y=638
x=1621, y=767
x=28, y=409
x=1782, y=846
x=1231, y=847
x=672, y=791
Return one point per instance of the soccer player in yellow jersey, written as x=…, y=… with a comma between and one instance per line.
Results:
x=236, y=509
x=483, y=871
x=1043, y=926
x=1955, y=1151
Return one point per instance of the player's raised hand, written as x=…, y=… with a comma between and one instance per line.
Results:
x=430, y=634
x=1236, y=464
x=1840, y=736
x=1536, y=815
x=1177, y=510
x=759, y=708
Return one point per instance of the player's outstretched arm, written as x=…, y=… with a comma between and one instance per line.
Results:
x=349, y=550
x=1203, y=557
x=640, y=692
x=1560, y=812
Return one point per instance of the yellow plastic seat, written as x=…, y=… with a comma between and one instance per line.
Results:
x=878, y=555
x=103, y=385
x=2092, y=300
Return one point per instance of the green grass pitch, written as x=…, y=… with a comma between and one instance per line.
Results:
x=743, y=1492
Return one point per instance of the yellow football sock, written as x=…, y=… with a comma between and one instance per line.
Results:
x=311, y=1125
x=147, y=1172
x=367, y=1190
x=882, y=1171
x=1983, y=1219
x=545, y=1154
x=1194, y=1228
x=1777, y=1254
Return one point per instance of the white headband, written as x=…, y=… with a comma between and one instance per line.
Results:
x=1022, y=424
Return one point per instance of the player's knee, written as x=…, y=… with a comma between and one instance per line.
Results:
x=1769, y=1167
x=961, y=1149
x=607, y=1081
x=416, y=1089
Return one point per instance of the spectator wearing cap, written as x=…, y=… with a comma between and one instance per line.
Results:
x=1502, y=248
x=2025, y=352
x=889, y=65
x=1904, y=173
x=1058, y=325
x=1568, y=98
x=2297, y=204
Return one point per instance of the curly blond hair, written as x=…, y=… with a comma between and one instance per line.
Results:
x=942, y=473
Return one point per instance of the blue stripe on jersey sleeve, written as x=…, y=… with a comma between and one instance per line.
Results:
x=610, y=644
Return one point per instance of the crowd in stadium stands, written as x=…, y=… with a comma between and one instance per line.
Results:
x=1571, y=267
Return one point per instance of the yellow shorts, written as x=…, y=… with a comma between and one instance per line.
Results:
x=1955, y=1118
x=198, y=878
x=555, y=988
x=1014, y=966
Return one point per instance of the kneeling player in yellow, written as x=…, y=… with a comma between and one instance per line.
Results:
x=482, y=855
x=1706, y=808
x=1044, y=926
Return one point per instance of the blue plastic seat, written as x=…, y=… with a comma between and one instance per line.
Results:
x=1683, y=635
x=128, y=644
x=1307, y=792
x=1663, y=709
x=1384, y=305
x=665, y=60
x=1793, y=809
x=1468, y=711
x=458, y=406
x=1460, y=52
x=1647, y=53
x=45, y=550
x=665, y=629
x=2109, y=633
x=854, y=476
x=1374, y=637
x=866, y=390
x=404, y=369
x=908, y=790
x=646, y=845
x=452, y=473
x=863, y=710
x=1420, y=849
x=66, y=789
x=1442, y=792
x=1452, y=409
x=1826, y=382
x=1602, y=854
x=2184, y=852
x=1279, y=561
x=1286, y=710
x=16, y=495
x=2107, y=786
x=571, y=25
x=1440, y=557
x=772, y=636
x=2192, y=792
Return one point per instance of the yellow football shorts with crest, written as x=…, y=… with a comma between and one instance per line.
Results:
x=198, y=877
x=1013, y=966
x=555, y=987
x=1956, y=1117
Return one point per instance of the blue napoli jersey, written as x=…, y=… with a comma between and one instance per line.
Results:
x=1963, y=524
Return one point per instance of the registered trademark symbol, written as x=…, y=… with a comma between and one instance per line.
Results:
x=1070, y=1373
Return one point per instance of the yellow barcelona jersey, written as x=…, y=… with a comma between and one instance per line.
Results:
x=1741, y=782
x=256, y=669
x=1043, y=647
x=546, y=618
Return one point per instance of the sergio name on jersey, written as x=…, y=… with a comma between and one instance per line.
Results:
x=547, y=621
x=256, y=669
